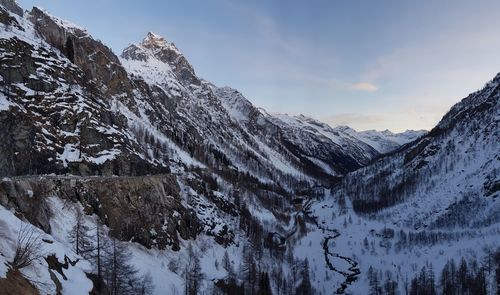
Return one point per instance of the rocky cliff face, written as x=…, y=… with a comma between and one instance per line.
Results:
x=70, y=105
x=158, y=155
x=96, y=60
x=60, y=118
x=147, y=210
x=11, y=5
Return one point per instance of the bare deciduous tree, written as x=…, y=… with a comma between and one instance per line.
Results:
x=145, y=285
x=79, y=236
x=192, y=272
x=28, y=246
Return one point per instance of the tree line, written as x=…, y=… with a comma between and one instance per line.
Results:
x=111, y=259
x=467, y=277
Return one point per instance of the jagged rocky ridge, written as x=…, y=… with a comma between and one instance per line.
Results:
x=130, y=115
x=68, y=104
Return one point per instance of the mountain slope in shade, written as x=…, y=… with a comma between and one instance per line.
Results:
x=457, y=160
x=163, y=159
x=433, y=200
x=70, y=106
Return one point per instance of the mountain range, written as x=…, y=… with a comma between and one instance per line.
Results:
x=190, y=182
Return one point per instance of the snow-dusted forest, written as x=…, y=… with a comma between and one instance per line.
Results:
x=131, y=175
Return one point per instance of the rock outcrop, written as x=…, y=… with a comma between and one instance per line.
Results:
x=12, y=6
x=96, y=60
x=147, y=210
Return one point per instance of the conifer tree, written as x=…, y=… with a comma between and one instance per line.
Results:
x=79, y=236
x=305, y=287
x=120, y=276
x=227, y=266
x=264, y=284
x=192, y=272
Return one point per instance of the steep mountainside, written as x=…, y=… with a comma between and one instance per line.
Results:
x=454, y=165
x=176, y=183
x=420, y=210
x=226, y=172
x=132, y=116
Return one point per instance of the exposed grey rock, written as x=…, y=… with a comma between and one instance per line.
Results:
x=11, y=5
x=147, y=210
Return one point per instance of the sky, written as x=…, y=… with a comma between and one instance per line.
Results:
x=386, y=64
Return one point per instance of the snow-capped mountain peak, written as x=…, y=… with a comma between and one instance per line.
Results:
x=158, y=43
x=154, y=38
x=152, y=45
x=171, y=167
x=158, y=58
x=386, y=141
x=382, y=141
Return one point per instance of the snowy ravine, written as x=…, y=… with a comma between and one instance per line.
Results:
x=337, y=245
x=190, y=185
x=434, y=200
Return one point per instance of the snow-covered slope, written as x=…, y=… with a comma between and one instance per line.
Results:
x=70, y=106
x=324, y=142
x=320, y=141
x=165, y=160
x=40, y=273
x=431, y=201
x=383, y=141
x=456, y=161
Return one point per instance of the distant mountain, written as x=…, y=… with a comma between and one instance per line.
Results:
x=383, y=141
x=177, y=177
x=455, y=163
x=420, y=209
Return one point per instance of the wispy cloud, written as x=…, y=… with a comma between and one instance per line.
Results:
x=264, y=24
x=441, y=54
x=364, y=86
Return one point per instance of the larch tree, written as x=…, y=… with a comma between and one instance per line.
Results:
x=192, y=272
x=79, y=236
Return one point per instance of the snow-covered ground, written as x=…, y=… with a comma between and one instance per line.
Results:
x=164, y=266
x=383, y=252
x=38, y=272
x=448, y=173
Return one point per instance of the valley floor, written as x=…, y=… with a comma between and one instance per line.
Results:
x=342, y=247
x=344, y=250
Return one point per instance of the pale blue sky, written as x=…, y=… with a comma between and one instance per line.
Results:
x=393, y=64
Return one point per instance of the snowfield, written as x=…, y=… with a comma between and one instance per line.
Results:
x=253, y=200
